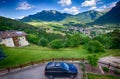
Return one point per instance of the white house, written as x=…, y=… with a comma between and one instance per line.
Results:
x=13, y=38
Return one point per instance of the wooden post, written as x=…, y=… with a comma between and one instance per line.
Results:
x=8, y=69
x=53, y=59
x=43, y=61
x=83, y=60
x=109, y=65
x=20, y=66
x=72, y=60
x=32, y=63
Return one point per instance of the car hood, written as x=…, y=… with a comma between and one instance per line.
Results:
x=72, y=68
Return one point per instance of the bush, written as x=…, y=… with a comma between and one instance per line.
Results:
x=93, y=60
x=72, y=41
x=57, y=43
x=43, y=42
x=116, y=72
x=105, y=69
x=2, y=55
x=94, y=46
x=82, y=67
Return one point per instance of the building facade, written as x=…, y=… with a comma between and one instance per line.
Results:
x=13, y=38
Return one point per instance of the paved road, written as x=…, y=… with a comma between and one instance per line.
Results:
x=34, y=72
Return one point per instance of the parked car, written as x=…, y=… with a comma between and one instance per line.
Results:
x=60, y=69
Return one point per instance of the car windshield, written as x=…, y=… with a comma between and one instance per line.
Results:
x=65, y=66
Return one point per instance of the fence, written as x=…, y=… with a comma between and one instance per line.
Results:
x=8, y=69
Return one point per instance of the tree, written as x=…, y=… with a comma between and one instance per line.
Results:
x=105, y=40
x=72, y=41
x=2, y=55
x=93, y=60
x=57, y=43
x=43, y=42
x=94, y=46
x=115, y=39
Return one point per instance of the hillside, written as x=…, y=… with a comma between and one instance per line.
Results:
x=46, y=15
x=53, y=15
x=10, y=24
x=85, y=17
x=112, y=17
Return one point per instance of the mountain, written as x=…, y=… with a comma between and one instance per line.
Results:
x=10, y=24
x=112, y=17
x=85, y=17
x=46, y=15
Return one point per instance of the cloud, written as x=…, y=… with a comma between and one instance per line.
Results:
x=24, y=6
x=93, y=8
x=73, y=10
x=89, y=3
x=65, y=2
x=107, y=6
x=112, y=4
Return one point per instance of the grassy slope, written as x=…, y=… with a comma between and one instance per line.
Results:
x=95, y=76
x=50, y=25
x=32, y=53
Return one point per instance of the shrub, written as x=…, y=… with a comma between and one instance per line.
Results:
x=94, y=46
x=105, y=69
x=57, y=43
x=116, y=72
x=72, y=41
x=82, y=67
x=43, y=42
x=93, y=60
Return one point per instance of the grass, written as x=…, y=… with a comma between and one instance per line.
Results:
x=20, y=55
x=96, y=76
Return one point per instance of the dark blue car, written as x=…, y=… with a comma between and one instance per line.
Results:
x=60, y=69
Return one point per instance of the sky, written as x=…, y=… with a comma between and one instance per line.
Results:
x=17, y=9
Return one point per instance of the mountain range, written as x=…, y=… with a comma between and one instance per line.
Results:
x=93, y=17
x=111, y=17
x=53, y=15
x=46, y=15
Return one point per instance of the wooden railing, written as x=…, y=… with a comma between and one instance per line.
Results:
x=8, y=69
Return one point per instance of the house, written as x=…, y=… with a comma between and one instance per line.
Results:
x=13, y=38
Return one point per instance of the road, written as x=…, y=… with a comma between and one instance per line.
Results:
x=33, y=72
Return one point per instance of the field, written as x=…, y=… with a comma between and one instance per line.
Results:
x=95, y=76
x=20, y=55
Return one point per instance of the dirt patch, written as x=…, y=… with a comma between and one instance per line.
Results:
x=110, y=59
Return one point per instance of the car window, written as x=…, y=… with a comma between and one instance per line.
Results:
x=65, y=66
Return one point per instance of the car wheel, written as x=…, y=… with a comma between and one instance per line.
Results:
x=50, y=77
x=72, y=77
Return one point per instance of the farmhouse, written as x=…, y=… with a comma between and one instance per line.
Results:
x=13, y=38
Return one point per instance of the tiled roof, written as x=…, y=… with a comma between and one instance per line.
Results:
x=8, y=34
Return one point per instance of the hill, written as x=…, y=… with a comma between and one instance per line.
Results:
x=111, y=17
x=85, y=17
x=10, y=24
x=46, y=15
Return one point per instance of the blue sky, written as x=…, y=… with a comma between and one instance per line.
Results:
x=22, y=8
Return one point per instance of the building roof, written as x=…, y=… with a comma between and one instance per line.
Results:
x=8, y=34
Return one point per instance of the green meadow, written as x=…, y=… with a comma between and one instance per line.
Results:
x=21, y=55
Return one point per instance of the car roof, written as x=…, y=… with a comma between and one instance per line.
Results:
x=57, y=65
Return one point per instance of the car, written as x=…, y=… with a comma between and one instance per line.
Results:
x=60, y=69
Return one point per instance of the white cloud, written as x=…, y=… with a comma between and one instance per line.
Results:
x=106, y=7
x=65, y=2
x=93, y=8
x=73, y=10
x=24, y=6
x=90, y=3
x=112, y=4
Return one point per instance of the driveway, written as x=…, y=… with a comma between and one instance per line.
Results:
x=33, y=72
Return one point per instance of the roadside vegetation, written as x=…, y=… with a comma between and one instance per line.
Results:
x=96, y=76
